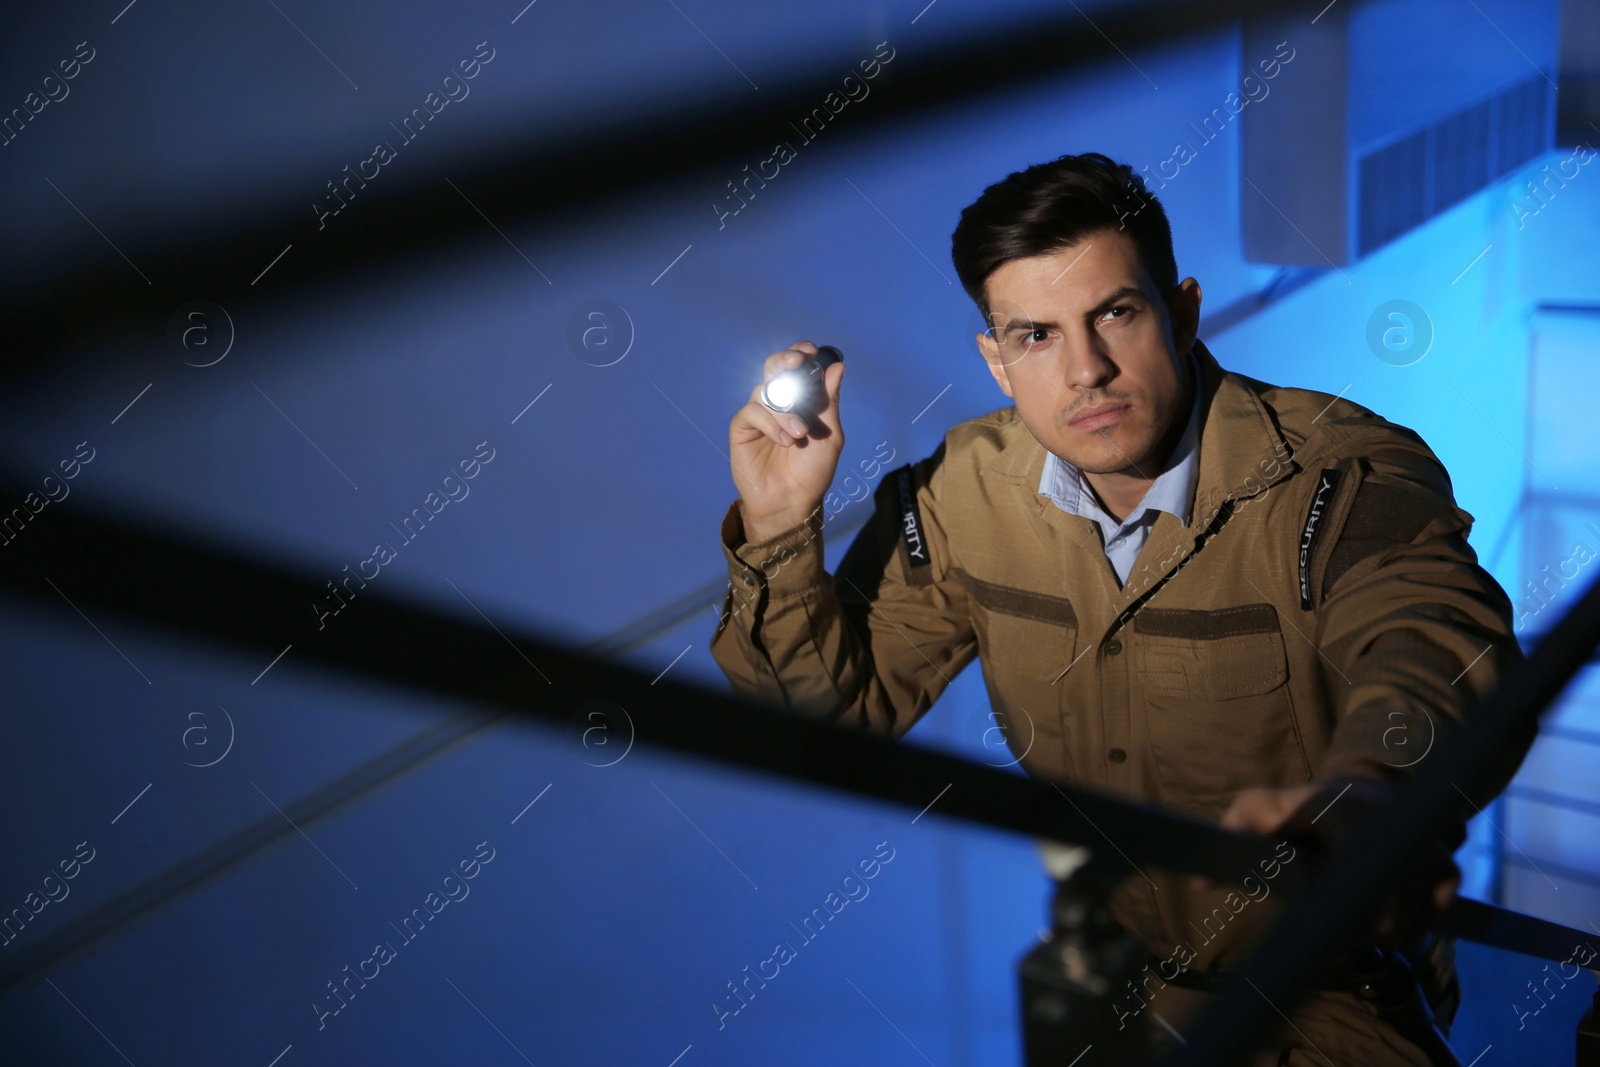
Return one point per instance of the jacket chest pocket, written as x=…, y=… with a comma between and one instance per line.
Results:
x=1025, y=641
x=1215, y=693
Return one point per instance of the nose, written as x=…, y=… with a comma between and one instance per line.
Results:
x=1087, y=365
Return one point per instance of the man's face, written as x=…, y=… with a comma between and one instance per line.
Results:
x=1088, y=352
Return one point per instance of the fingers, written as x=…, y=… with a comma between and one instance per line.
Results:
x=830, y=383
x=1240, y=813
x=1444, y=894
x=795, y=424
x=1262, y=810
x=789, y=357
x=756, y=418
x=1259, y=810
x=788, y=423
x=1428, y=892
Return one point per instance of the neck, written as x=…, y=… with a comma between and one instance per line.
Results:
x=1118, y=493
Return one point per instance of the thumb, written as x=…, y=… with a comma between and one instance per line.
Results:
x=830, y=383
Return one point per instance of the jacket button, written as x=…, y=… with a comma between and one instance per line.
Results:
x=1117, y=755
x=761, y=668
x=1112, y=648
x=749, y=580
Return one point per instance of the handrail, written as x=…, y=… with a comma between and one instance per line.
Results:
x=517, y=182
x=193, y=592
x=205, y=595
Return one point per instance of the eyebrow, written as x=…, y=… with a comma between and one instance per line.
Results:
x=1110, y=300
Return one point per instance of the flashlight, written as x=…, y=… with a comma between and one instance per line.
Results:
x=788, y=390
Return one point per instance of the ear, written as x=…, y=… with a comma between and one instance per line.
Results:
x=1183, y=309
x=991, y=357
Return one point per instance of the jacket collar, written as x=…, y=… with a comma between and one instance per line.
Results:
x=1241, y=449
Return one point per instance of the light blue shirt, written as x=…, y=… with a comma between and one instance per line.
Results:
x=1172, y=492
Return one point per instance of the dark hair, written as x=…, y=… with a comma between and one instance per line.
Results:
x=1053, y=205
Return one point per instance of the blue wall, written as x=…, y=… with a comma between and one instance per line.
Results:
x=617, y=907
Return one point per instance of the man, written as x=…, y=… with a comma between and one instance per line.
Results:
x=1251, y=603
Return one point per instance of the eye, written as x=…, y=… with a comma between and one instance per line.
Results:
x=1038, y=336
x=1123, y=308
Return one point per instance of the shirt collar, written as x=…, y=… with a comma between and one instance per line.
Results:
x=1172, y=491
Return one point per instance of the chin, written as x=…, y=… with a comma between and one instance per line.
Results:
x=1111, y=457
x=1103, y=465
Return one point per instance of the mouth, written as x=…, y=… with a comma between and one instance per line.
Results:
x=1100, y=416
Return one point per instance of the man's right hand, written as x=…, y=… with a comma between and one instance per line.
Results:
x=783, y=463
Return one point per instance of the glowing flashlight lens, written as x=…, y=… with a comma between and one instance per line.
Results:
x=782, y=391
x=790, y=389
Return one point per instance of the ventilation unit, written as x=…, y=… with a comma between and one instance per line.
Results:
x=1391, y=112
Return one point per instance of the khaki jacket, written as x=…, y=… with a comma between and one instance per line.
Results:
x=1321, y=613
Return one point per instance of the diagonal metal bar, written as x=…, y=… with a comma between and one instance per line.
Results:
x=360, y=783
x=1488, y=924
x=201, y=594
x=197, y=582
x=416, y=214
